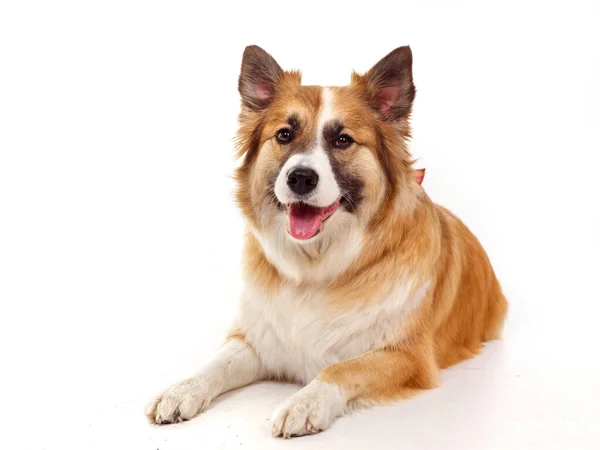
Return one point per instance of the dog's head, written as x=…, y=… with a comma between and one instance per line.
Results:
x=321, y=160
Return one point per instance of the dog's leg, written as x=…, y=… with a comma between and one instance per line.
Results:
x=373, y=377
x=235, y=366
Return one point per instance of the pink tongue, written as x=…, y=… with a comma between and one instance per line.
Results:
x=304, y=220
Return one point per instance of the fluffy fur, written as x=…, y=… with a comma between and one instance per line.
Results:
x=391, y=289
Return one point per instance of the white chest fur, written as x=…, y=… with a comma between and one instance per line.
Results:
x=297, y=333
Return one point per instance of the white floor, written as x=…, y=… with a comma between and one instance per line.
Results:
x=515, y=395
x=489, y=402
x=485, y=403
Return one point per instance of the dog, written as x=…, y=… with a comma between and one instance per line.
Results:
x=357, y=286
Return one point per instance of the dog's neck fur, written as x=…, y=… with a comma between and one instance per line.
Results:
x=342, y=253
x=312, y=262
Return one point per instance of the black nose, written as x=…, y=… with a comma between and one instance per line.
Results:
x=302, y=180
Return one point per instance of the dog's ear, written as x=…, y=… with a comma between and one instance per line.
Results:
x=390, y=84
x=259, y=78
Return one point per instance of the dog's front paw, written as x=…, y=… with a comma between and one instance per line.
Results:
x=310, y=410
x=180, y=402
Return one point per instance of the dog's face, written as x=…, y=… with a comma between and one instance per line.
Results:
x=319, y=160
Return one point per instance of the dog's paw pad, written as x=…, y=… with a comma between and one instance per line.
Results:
x=178, y=403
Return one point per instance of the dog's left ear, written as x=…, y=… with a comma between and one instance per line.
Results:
x=390, y=84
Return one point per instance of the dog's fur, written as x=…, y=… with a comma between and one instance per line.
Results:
x=391, y=289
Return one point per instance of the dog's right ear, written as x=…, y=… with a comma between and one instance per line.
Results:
x=259, y=78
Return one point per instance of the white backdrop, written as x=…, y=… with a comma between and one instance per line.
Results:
x=120, y=242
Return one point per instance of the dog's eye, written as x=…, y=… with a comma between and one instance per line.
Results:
x=284, y=136
x=343, y=141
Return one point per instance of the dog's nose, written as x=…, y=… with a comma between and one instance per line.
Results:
x=302, y=180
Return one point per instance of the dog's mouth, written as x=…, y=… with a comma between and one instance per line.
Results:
x=306, y=221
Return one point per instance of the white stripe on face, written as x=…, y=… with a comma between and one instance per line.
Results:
x=327, y=190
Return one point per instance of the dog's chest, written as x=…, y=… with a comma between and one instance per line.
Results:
x=298, y=333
